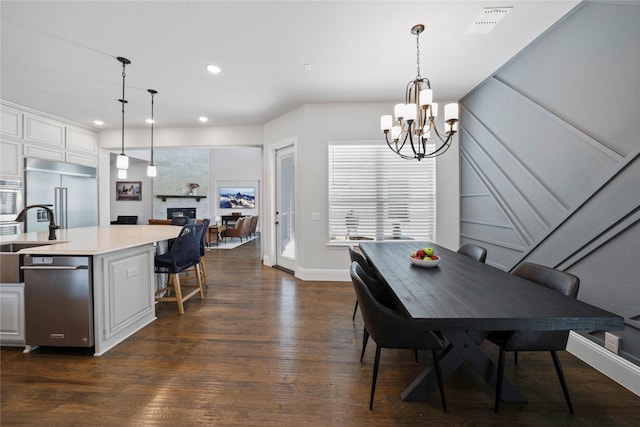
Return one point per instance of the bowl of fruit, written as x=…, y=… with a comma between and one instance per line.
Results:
x=425, y=257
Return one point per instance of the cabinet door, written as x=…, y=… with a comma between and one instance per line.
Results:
x=43, y=130
x=42, y=152
x=11, y=121
x=12, y=326
x=10, y=159
x=82, y=140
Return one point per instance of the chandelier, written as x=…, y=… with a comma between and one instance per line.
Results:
x=122, y=161
x=416, y=119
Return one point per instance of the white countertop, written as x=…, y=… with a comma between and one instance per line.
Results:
x=93, y=240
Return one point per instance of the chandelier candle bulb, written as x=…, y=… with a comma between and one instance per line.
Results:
x=450, y=112
x=410, y=112
x=395, y=132
x=386, y=122
x=426, y=97
x=434, y=109
x=398, y=111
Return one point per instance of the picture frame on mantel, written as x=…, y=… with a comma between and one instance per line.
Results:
x=129, y=190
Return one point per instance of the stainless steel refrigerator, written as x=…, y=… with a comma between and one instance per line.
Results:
x=70, y=190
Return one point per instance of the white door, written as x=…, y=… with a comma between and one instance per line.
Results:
x=285, y=209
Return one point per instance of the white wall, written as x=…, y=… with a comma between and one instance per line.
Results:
x=313, y=126
x=142, y=209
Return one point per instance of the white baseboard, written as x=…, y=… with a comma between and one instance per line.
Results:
x=323, y=274
x=615, y=367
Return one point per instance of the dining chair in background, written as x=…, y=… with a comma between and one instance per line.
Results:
x=473, y=251
x=552, y=341
x=391, y=329
x=183, y=254
x=180, y=220
x=356, y=256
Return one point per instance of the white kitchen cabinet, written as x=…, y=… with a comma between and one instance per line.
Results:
x=81, y=140
x=12, y=323
x=41, y=152
x=43, y=130
x=11, y=122
x=123, y=294
x=81, y=159
x=10, y=159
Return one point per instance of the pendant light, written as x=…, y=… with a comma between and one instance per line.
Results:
x=122, y=161
x=151, y=169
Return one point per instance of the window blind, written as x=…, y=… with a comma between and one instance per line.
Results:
x=376, y=195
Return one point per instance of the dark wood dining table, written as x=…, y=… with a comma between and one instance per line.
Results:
x=466, y=299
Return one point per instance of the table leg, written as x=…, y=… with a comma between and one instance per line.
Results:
x=463, y=347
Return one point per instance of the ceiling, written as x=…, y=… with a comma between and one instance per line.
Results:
x=59, y=57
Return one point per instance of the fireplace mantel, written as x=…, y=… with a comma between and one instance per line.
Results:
x=164, y=197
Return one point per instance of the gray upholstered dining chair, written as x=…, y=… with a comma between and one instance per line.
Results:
x=473, y=251
x=382, y=294
x=391, y=329
x=356, y=256
x=552, y=341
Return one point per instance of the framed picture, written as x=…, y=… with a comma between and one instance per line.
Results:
x=237, y=197
x=129, y=190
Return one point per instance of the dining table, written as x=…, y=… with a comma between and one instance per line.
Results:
x=465, y=300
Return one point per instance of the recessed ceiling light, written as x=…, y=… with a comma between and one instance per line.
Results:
x=306, y=67
x=149, y=121
x=213, y=69
x=98, y=122
x=203, y=119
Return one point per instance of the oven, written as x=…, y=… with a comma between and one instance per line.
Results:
x=10, y=205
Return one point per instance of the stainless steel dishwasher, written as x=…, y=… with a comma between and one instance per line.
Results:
x=58, y=300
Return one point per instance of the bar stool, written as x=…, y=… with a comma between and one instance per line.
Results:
x=183, y=254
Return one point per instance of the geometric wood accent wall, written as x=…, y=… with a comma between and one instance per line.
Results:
x=550, y=159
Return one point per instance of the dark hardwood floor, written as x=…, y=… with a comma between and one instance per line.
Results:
x=265, y=349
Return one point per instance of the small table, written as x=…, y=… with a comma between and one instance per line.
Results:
x=214, y=231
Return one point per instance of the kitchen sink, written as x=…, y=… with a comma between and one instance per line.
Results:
x=10, y=260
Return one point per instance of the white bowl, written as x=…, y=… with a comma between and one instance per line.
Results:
x=424, y=263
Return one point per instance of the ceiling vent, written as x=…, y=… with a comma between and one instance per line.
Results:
x=487, y=20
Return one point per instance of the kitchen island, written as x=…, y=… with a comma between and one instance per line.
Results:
x=122, y=273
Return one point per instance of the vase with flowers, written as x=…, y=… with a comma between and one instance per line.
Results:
x=193, y=189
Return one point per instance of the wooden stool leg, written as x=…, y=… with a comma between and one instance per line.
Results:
x=176, y=286
x=199, y=279
x=204, y=271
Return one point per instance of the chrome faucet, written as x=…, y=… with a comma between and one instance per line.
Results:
x=52, y=223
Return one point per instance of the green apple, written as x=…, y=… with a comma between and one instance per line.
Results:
x=428, y=252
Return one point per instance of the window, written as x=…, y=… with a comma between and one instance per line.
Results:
x=376, y=195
